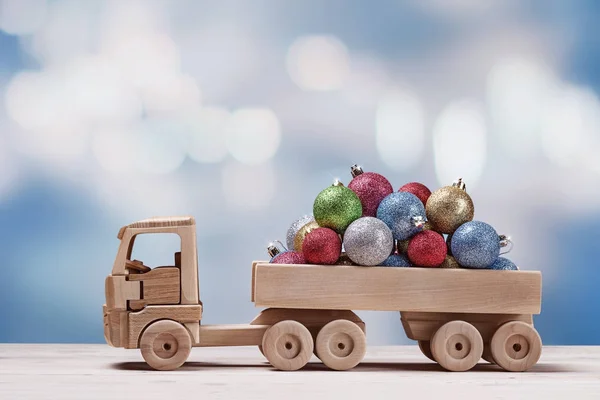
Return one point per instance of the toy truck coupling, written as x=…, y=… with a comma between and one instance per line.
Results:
x=458, y=316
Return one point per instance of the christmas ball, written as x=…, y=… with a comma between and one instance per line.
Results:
x=305, y=230
x=294, y=228
x=402, y=246
x=449, y=262
x=288, y=257
x=344, y=259
x=475, y=244
x=322, y=246
x=418, y=189
x=449, y=207
x=370, y=188
x=396, y=260
x=427, y=249
x=336, y=207
x=368, y=241
x=403, y=213
x=504, y=264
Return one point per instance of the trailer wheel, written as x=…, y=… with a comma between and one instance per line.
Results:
x=457, y=346
x=425, y=347
x=288, y=345
x=341, y=344
x=487, y=354
x=516, y=346
x=165, y=345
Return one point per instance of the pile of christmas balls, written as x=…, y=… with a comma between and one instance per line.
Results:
x=367, y=223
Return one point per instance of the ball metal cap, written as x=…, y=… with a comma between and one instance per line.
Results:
x=356, y=170
x=459, y=183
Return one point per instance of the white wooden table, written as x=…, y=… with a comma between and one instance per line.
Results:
x=75, y=371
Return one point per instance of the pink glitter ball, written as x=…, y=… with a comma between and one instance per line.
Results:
x=370, y=188
x=418, y=189
x=289, y=257
x=322, y=246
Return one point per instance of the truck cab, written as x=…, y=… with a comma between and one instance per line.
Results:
x=137, y=295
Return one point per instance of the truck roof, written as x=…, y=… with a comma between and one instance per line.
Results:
x=159, y=222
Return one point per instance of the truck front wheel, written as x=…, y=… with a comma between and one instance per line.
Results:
x=165, y=345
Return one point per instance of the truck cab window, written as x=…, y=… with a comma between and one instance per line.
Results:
x=155, y=250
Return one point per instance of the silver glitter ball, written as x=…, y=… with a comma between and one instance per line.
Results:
x=293, y=230
x=504, y=264
x=368, y=241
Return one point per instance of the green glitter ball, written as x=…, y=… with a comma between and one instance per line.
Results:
x=336, y=207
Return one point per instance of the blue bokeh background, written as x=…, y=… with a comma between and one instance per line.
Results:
x=240, y=112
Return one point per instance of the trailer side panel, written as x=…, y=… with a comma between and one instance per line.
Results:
x=397, y=289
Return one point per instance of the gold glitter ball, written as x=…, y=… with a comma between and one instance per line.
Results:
x=448, y=208
x=402, y=246
x=449, y=262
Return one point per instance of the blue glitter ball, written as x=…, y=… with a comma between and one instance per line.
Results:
x=401, y=212
x=503, y=264
x=475, y=244
x=396, y=260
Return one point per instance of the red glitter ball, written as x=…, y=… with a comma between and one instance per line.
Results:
x=418, y=189
x=322, y=246
x=289, y=257
x=427, y=249
x=370, y=188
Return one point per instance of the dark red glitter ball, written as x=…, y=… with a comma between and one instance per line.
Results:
x=322, y=246
x=370, y=188
x=427, y=249
x=289, y=257
x=418, y=189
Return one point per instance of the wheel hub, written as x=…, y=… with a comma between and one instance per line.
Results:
x=517, y=347
x=458, y=346
x=165, y=345
x=288, y=346
x=341, y=344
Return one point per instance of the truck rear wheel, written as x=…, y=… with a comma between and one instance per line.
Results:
x=165, y=345
x=288, y=345
x=516, y=346
x=457, y=346
x=341, y=344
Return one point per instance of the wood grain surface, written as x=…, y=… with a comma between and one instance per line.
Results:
x=49, y=371
x=397, y=289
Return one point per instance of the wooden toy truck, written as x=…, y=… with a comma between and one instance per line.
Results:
x=458, y=316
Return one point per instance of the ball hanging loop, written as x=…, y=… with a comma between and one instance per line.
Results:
x=337, y=182
x=505, y=241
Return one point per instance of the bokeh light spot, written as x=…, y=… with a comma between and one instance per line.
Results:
x=253, y=135
x=318, y=63
x=207, y=139
x=248, y=188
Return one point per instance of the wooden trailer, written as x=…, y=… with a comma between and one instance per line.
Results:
x=457, y=316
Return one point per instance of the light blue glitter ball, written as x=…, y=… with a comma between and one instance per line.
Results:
x=396, y=260
x=475, y=244
x=503, y=264
x=398, y=210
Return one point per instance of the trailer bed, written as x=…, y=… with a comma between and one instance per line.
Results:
x=340, y=287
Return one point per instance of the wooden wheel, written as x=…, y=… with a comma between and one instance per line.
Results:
x=261, y=349
x=487, y=354
x=165, y=345
x=288, y=345
x=341, y=344
x=516, y=346
x=457, y=346
x=425, y=347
